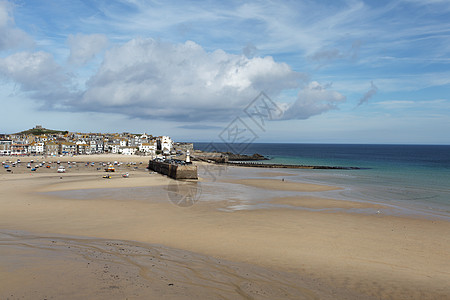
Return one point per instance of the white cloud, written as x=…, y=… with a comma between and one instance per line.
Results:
x=31, y=70
x=313, y=100
x=10, y=36
x=151, y=79
x=38, y=74
x=84, y=47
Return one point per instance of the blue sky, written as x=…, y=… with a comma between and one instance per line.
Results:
x=336, y=71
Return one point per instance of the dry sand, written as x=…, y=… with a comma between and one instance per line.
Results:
x=55, y=267
x=254, y=254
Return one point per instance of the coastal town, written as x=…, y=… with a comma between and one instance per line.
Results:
x=41, y=141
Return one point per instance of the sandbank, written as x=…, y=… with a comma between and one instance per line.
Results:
x=319, y=203
x=274, y=174
x=284, y=185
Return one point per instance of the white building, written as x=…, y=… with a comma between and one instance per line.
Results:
x=123, y=143
x=114, y=148
x=93, y=147
x=68, y=148
x=19, y=148
x=81, y=147
x=42, y=138
x=165, y=144
x=37, y=148
x=147, y=148
x=127, y=150
x=5, y=147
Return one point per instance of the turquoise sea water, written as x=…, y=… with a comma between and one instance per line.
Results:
x=416, y=176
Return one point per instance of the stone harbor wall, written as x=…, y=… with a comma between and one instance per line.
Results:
x=174, y=171
x=186, y=172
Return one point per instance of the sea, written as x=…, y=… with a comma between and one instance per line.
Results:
x=416, y=177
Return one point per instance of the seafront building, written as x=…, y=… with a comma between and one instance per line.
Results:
x=5, y=147
x=76, y=143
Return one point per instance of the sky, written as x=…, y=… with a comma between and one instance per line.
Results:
x=299, y=71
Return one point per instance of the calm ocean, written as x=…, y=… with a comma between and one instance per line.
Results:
x=417, y=176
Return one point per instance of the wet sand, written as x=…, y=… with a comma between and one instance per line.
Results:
x=320, y=203
x=310, y=254
x=285, y=185
x=274, y=174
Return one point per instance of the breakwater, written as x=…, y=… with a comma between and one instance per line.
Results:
x=175, y=171
x=224, y=157
x=280, y=166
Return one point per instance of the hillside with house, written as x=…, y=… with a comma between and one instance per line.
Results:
x=41, y=141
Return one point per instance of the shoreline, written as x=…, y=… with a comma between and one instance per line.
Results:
x=342, y=255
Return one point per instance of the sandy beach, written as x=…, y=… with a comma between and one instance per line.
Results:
x=92, y=245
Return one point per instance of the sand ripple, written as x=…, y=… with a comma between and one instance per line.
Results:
x=39, y=267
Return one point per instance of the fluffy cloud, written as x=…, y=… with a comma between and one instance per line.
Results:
x=151, y=79
x=84, y=47
x=10, y=36
x=38, y=74
x=313, y=100
x=31, y=70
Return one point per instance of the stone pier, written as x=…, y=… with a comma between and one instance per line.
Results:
x=175, y=171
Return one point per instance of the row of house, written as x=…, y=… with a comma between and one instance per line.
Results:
x=85, y=143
